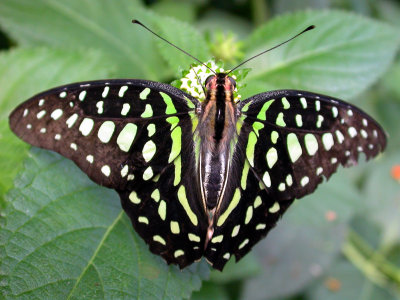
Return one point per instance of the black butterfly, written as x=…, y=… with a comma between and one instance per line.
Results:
x=198, y=178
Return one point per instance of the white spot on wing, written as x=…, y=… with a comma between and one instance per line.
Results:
x=105, y=91
x=90, y=158
x=56, y=114
x=149, y=150
x=125, y=109
x=99, y=106
x=71, y=120
x=124, y=171
x=304, y=181
x=106, y=170
x=122, y=90
x=327, y=140
x=82, y=95
x=41, y=114
x=352, y=132
x=106, y=131
x=86, y=126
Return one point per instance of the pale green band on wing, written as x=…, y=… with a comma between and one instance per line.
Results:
x=234, y=202
x=185, y=204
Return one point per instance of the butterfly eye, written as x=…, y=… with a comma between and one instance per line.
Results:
x=233, y=82
x=209, y=78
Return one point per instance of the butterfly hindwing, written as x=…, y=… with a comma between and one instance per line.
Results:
x=246, y=213
x=288, y=141
x=128, y=135
x=167, y=210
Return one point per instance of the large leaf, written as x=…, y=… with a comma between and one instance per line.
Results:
x=65, y=237
x=25, y=72
x=12, y=152
x=342, y=56
x=382, y=198
x=305, y=242
x=344, y=281
x=94, y=24
x=185, y=37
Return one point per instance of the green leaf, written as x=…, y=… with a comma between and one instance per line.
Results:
x=236, y=271
x=181, y=10
x=382, y=194
x=214, y=20
x=341, y=57
x=285, y=6
x=102, y=25
x=387, y=10
x=12, y=153
x=391, y=81
x=184, y=36
x=25, y=72
x=344, y=281
x=210, y=290
x=305, y=242
x=72, y=240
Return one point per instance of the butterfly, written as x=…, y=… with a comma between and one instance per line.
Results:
x=199, y=178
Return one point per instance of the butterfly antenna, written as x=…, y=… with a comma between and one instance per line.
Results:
x=292, y=38
x=188, y=54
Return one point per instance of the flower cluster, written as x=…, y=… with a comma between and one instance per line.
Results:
x=192, y=81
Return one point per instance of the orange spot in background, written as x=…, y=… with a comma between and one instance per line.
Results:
x=330, y=215
x=396, y=172
x=332, y=284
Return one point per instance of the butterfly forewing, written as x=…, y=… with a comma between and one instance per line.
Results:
x=298, y=137
x=288, y=141
x=128, y=135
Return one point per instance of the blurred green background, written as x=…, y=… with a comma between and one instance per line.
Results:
x=62, y=236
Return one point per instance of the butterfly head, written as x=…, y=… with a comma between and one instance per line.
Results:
x=220, y=80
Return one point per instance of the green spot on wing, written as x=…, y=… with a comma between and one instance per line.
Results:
x=245, y=173
x=246, y=107
x=176, y=136
x=311, y=143
x=274, y=136
x=261, y=115
x=257, y=126
x=251, y=143
x=143, y=94
x=280, y=121
x=178, y=170
x=285, y=103
x=190, y=104
x=170, y=105
x=148, y=112
x=294, y=147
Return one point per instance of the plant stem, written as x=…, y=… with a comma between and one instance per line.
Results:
x=371, y=263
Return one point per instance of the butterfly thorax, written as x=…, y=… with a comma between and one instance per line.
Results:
x=215, y=131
